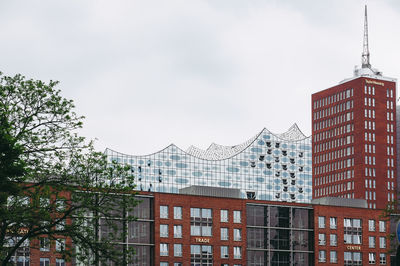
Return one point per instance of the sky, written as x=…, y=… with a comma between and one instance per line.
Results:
x=147, y=73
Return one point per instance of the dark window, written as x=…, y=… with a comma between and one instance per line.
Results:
x=279, y=217
x=280, y=239
x=257, y=215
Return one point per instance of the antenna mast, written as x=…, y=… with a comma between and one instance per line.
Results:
x=365, y=54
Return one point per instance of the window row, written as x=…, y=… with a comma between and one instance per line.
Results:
x=389, y=116
x=351, y=258
x=369, y=101
x=164, y=249
x=333, y=178
x=341, y=118
x=337, y=130
x=44, y=244
x=338, y=165
x=333, y=155
x=389, y=139
x=390, y=173
x=46, y=262
x=369, y=148
x=199, y=213
x=368, y=113
x=327, y=134
x=390, y=128
x=177, y=230
x=390, y=194
x=351, y=223
x=369, y=136
x=165, y=215
x=319, y=147
x=237, y=234
x=390, y=185
x=389, y=104
x=338, y=188
x=370, y=183
x=237, y=252
x=333, y=98
x=369, y=160
x=370, y=125
x=369, y=90
x=390, y=162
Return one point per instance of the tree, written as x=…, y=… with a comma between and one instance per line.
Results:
x=57, y=187
x=11, y=166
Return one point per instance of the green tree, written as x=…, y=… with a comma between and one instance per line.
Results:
x=11, y=165
x=57, y=188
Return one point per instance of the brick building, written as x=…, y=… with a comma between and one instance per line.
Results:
x=354, y=140
x=354, y=136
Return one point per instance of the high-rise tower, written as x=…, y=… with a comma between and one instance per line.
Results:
x=354, y=136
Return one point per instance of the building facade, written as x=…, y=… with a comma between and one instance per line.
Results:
x=192, y=229
x=268, y=166
x=354, y=136
x=354, y=141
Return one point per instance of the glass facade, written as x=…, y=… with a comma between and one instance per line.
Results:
x=279, y=235
x=138, y=234
x=266, y=167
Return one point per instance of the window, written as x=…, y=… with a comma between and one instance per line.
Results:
x=163, y=263
x=178, y=264
x=60, y=244
x=333, y=240
x=382, y=226
x=382, y=258
x=177, y=212
x=200, y=222
x=333, y=222
x=333, y=256
x=60, y=262
x=321, y=239
x=382, y=242
x=237, y=234
x=44, y=202
x=163, y=230
x=44, y=262
x=177, y=231
x=371, y=242
x=372, y=258
x=237, y=252
x=164, y=212
x=224, y=216
x=60, y=205
x=237, y=216
x=322, y=256
x=371, y=225
x=224, y=252
x=321, y=222
x=178, y=250
x=44, y=244
x=224, y=233
x=201, y=254
x=163, y=249
x=60, y=226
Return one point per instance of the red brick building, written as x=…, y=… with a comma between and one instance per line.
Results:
x=350, y=236
x=197, y=228
x=354, y=141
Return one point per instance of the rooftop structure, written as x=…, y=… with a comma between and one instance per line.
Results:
x=268, y=166
x=354, y=136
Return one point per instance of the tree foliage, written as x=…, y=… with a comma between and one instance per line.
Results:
x=56, y=185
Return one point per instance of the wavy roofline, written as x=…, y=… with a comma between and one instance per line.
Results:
x=220, y=159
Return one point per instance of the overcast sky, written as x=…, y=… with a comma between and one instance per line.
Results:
x=150, y=73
